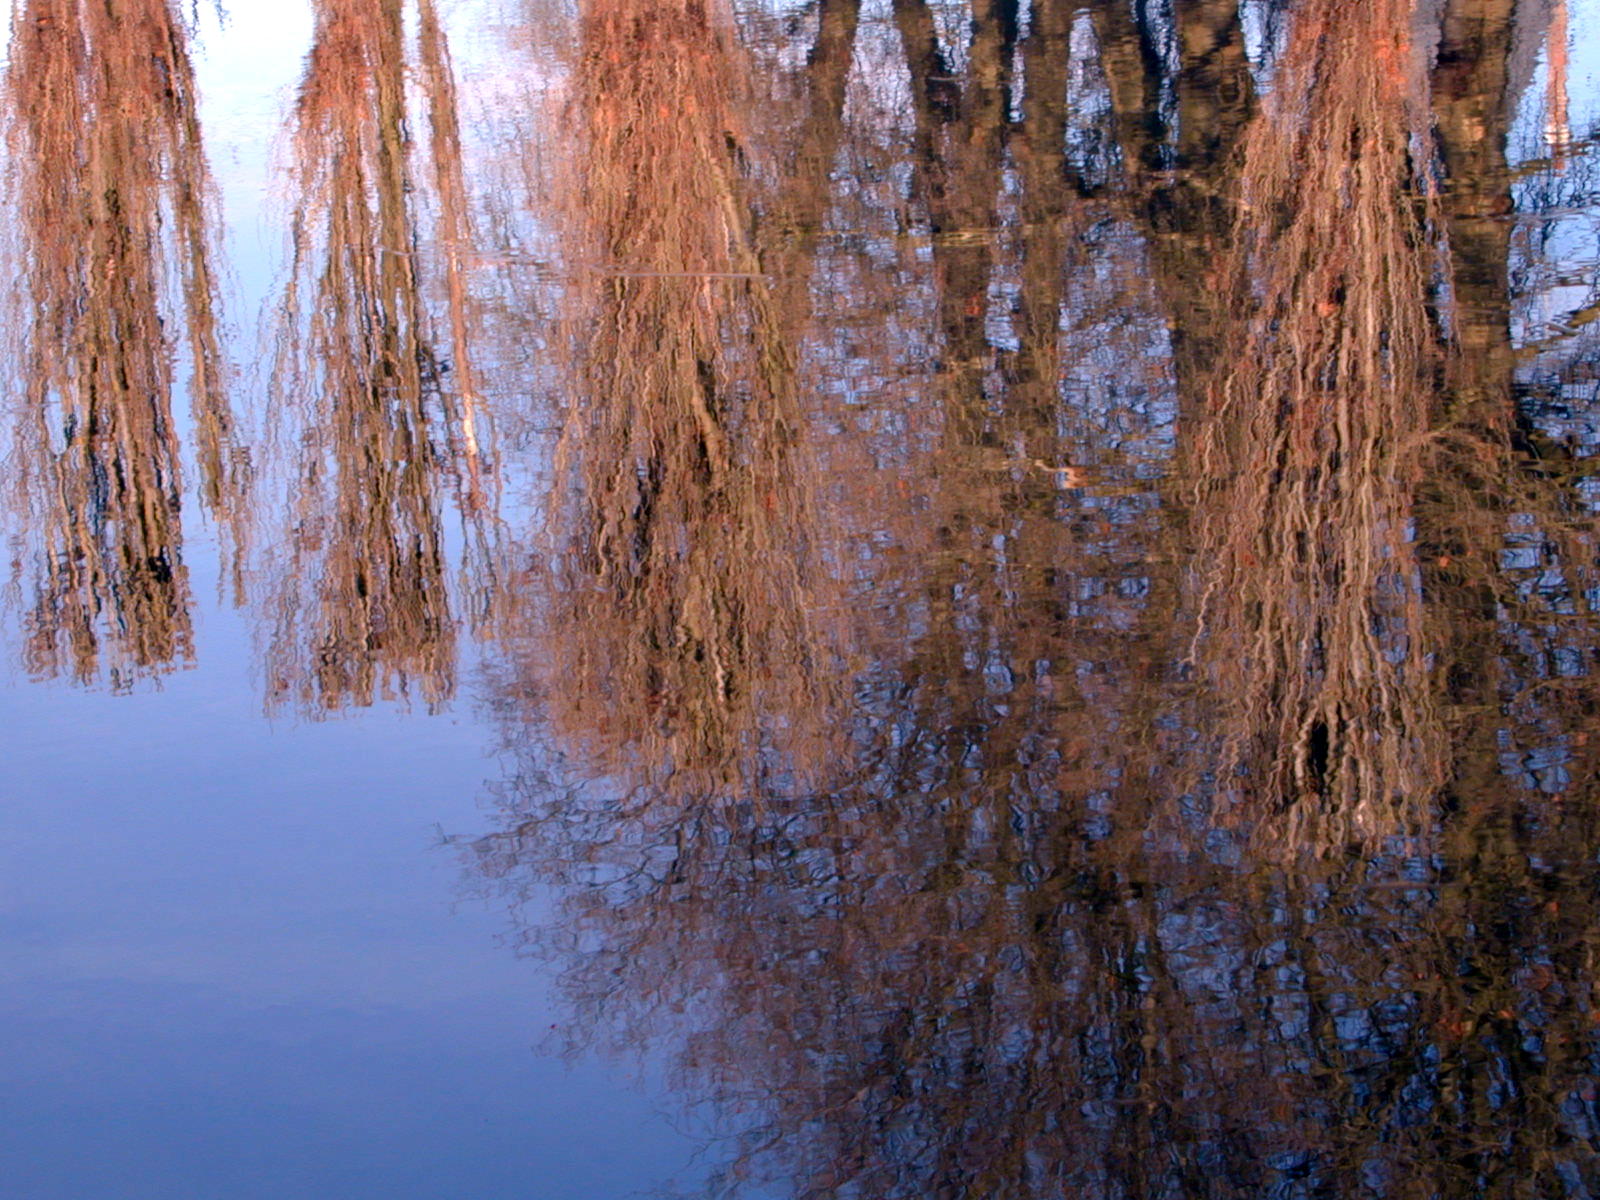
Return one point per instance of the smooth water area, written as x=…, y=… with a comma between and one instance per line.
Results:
x=837, y=599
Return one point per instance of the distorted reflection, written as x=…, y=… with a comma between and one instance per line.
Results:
x=685, y=607
x=1049, y=646
x=1308, y=444
x=919, y=998
x=1211, y=812
x=386, y=430
x=113, y=249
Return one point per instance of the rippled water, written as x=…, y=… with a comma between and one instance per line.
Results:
x=845, y=599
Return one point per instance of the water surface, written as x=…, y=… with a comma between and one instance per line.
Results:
x=836, y=599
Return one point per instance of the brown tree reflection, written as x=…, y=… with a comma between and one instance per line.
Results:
x=1050, y=922
x=1313, y=436
x=1359, y=460
x=687, y=585
x=898, y=1007
x=361, y=596
x=114, y=258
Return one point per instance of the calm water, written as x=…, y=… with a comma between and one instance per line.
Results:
x=851, y=599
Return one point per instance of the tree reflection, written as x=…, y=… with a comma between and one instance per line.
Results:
x=685, y=603
x=1311, y=440
x=115, y=279
x=361, y=603
x=1099, y=890
x=902, y=1007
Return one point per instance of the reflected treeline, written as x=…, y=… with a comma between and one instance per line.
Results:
x=1059, y=658
x=1214, y=814
x=387, y=427
x=112, y=245
x=949, y=992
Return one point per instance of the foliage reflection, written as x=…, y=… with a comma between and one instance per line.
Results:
x=115, y=279
x=1213, y=813
x=383, y=422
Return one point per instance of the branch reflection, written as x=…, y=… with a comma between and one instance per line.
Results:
x=114, y=258
x=361, y=602
x=1214, y=816
x=684, y=631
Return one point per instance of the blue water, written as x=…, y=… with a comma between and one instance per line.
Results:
x=237, y=958
x=248, y=951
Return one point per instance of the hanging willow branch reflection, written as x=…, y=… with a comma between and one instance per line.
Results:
x=687, y=571
x=361, y=604
x=1007, y=947
x=1357, y=459
x=113, y=249
x=1311, y=444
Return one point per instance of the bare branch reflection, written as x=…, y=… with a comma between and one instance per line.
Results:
x=1313, y=438
x=115, y=281
x=362, y=601
x=682, y=633
x=1206, y=545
